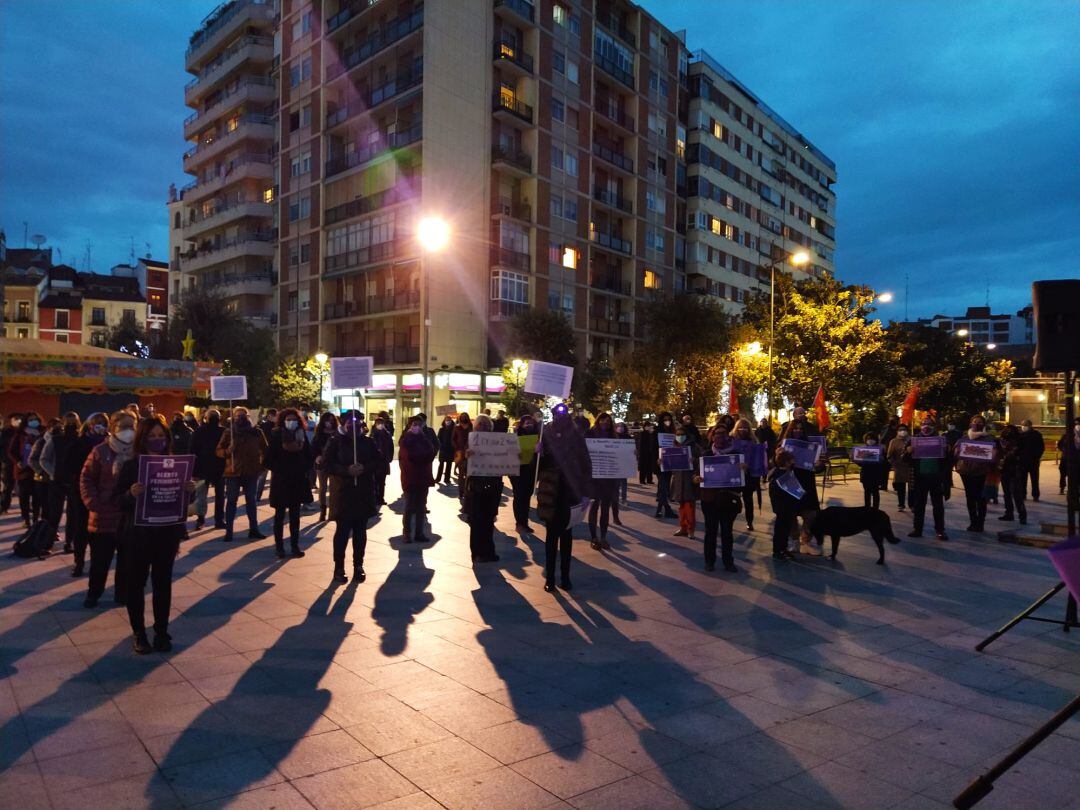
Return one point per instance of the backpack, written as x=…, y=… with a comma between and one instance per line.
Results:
x=37, y=542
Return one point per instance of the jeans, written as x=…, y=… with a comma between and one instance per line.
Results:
x=522, y=485
x=357, y=528
x=901, y=492
x=976, y=503
x=483, y=510
x=262, y=484
x=622, y=489
x=415, y=508
x=102, y=549
x=718, y=518
x=201, y=494
x=77, y=533
x=279, y=527
x=601, y=506
x=155, y=559
x=871, y=496
x=443, y=475
x=324, y=483
x=250, y=485
x=688, y=517
x=559, y=542
x=928, y=486
x=29, y=504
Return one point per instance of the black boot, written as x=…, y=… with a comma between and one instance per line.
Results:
x=296, y=552
x=658, y=512
x=162, y=642
x=339, y=574
x=358, y=574
x=279, y=549
x=141, y=645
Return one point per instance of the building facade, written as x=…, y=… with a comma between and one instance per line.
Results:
x=23, y=273
x=757, y=190
x=979, y=326
x=226, y=217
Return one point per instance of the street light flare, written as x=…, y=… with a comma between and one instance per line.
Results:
x=800, y=258
x=321, y=357
x=433, y=234
x=885, y=297
x=961, y=332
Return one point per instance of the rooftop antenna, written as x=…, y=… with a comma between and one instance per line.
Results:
x=907, y=291
x=988, y=293
x=89, y=245
x=38, y=240
x=25, y=231
x=132, y=253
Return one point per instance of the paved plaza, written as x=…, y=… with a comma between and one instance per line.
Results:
x=651, y=685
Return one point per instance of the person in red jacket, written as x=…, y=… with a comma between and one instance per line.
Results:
x=97, y=486
x=415, y=455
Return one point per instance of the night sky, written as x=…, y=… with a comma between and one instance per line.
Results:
x=954, y=127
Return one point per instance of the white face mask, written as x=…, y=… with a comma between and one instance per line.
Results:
x=1025, y=428
x=291, y=424
x=902, y=434
x=127, y=435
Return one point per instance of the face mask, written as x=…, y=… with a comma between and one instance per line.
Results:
x=871, y=442
x=952, y=427
x=291, y=424
x=1025, y=428
x=667, y=423
x=680, y=439
x=1076, y=429
x=447, y=423
x=620, y=430
x=902, y=434
x=648, y=429
x=414, y=429
x=156, y=445
x=380, y=426
x=33, y=423
x=100, y=430
x=127, y=435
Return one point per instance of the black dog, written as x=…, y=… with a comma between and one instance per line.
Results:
x=844, y=521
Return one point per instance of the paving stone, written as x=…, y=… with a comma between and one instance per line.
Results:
x=501, y=787
x=440, y=761
x=570, y=771
x=365, y=784
x=315, y=754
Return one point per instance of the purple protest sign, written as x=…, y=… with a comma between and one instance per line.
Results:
x=1066, y=559
x=755, y=454
x=722, y=472
x=790, y=484
x=805, y=452
x=928, y=447
x=164, y=501
x=673, y=459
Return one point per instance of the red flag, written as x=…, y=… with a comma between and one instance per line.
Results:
x=820, y=410
x=733, y=396
x=907, y=412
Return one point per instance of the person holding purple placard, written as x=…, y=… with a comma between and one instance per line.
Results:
x=684, y=491
x=719, y=507
x=930, y=479
x=784, y=506
x=151, y=550
x=973, y=473
x=872, y=474
x=743, y=433
x=808, y=506
x=899, y=457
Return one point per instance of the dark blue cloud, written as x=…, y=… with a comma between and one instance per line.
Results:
x=953, y=125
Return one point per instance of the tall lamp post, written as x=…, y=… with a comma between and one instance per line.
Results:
x=797, y=259
x=433, y=235
x=321, y=358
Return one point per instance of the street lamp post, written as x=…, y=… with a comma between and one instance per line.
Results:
x=433, y=234
x=798, y=259
x=321, y=358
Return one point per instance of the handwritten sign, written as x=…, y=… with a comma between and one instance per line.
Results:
x=164, y=501
x=928, y=447
x=722, y=472
x=548, y=379
x=790, y=484
x=866, y=454
x=351, y=373
x=975, y=450
x=612, y=458
x=446, y=410
x=805, y=452
x=494, y=454
x=674, y=459
x=225, y=389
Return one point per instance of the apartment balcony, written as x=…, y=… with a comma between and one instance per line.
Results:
x=613, y=200
x=238, y=284
x=394, y=355
x=512, y=209
x=261, y=320
x=615, y=26
x=251, y=127
x=369, y=257
x=351, y=11
x=609, y=327
x=611, y=241
x=515, y=162
x=516, y=11
x=244, y=167
x=365, y=205
x=616, y=159
x=512, y=57
x=373, y=305
x=224, y=215
x=254, y=49
x=352, y=160
x=394, y=31
x=505, y=310
x=396, y=87
x=260, y=243
x=610, y=283
x=252, y=90
x=233, y=17
x=615, y=114
x=510, y=259
x=511, y=108
x=614, y=70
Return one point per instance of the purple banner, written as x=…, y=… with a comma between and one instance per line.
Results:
x=1066, y=559
x=722, y=472
x=790, y=484
x=928, y=447
x=164, y=501
x=676, y=458
x=756, y=456
x=805, y=452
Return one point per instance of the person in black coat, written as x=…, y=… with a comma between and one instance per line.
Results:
x=524, y=482
x=209, y=469
x=501, y=424
x=648, y=453
x=94, y=430
x=666, y=424
x=351, y=460
x=720, y=507
x=325, y=430
x=384, y=443
x=289, y=459
x=446, y=451
x=151, y=550
x=182, y=435
x=7, y=470
x=873, y=474
x=63, y=475
x=1032, y=447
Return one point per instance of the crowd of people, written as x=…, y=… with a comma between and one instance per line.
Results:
x=86, y=471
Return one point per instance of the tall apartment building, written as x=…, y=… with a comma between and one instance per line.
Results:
x=979, y=326
x=226, y=216
x=757, y=189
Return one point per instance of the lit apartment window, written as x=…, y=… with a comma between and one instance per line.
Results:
x=570, y=258
x=24, y=312
x=718, y=130
x=268, y=195
x=562, y=16
x=652, y=280
x=23, y=333
x=232, y=123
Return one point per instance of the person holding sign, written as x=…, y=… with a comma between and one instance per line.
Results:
x=898, y=455
x=606, y=489
x=243, y=447
x=684, y=491
x=720, y=506
x=785, y=504
x=351, y=460
x=799, y=430
x=151, y=549
x=665, y=437
x=482, y=493
x=974, y=465
x=524, y=482
x=1013, y=475
x=289, y=458
x=415, y=455
x=746, y=443
x=873, y=471
x=564, y=482
x=446, y=451
x=931, y=480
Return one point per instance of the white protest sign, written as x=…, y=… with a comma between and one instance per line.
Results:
x=612, y=458
x=224, y=389
x=494, y=454
x=548, y=379
x=350, y=373
x=445, y=410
